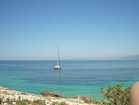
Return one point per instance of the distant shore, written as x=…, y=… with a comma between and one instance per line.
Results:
x=14, y=97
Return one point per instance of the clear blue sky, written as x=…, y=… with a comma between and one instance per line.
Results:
x=83, y=29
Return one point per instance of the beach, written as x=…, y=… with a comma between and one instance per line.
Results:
x=14, y=96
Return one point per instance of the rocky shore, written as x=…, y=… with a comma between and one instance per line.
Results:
x=13, y=97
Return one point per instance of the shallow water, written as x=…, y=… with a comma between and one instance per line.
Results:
x=77, y=77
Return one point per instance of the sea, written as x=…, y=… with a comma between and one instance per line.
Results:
x=76, y=78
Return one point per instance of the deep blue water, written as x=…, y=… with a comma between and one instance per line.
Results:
x=77, y=77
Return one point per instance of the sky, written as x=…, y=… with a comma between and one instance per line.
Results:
x=81, y=29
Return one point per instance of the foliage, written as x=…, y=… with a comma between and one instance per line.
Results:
x=38, y=102
x=0, y=101
x=55, y=103
x=116, y=95
x=23, y=102
x=61, y=103
x=26, y=102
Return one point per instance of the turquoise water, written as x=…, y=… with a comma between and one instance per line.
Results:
x=84, y=78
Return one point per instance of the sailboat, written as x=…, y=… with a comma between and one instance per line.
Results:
x=57, y=66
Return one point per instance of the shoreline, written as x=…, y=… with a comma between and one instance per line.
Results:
x=14, y=96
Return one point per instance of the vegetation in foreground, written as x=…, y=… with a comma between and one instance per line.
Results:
x=26, y=102
x=116, y=95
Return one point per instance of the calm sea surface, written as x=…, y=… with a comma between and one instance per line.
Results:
x=77, y=77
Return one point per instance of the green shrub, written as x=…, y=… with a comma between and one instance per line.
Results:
x=61, y=103
x=116, y=95
x=1, y=101
x=26, y=102
x=23, y=102
x=38, y=102
x=55, y=103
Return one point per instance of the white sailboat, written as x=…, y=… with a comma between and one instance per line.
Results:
x=58, y=65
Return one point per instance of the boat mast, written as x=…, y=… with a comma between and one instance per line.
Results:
x=60, y=76
x=58, y=55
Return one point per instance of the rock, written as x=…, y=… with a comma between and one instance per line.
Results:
x=46, y=93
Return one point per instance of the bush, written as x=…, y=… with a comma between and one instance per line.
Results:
x=23, y=102
x=61, y=103
x=116, y=95
x=55, y=103
x=26, y=102
x=1, y=101
x=38, y=102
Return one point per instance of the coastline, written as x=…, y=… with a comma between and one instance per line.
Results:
x=13, y=96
